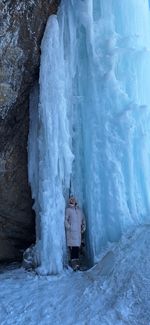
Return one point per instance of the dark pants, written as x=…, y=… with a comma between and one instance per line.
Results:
x=74, y=252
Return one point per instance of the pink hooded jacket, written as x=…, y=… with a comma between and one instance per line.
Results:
x=74, y=224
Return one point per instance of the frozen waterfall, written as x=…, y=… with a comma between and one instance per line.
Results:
x=92, y=125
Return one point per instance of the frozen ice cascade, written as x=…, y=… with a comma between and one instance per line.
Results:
x=91, y=128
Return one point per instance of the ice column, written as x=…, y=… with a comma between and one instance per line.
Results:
x=54, y=153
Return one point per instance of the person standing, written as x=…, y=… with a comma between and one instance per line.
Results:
x=75, y=225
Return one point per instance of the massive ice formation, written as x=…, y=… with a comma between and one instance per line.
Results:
x=93, y=123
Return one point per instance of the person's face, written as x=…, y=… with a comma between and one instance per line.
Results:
x=72, y=201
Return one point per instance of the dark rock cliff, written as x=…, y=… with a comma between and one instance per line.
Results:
x=23, y=24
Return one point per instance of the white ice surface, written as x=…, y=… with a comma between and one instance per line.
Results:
x=115, y=292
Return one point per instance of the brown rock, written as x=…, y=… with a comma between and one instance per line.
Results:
x=23, y=23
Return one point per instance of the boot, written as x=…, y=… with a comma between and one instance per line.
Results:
x=75, y=264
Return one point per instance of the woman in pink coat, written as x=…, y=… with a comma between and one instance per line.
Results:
x=75, y=225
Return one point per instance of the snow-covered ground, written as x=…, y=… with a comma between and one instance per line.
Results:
x=114, y=292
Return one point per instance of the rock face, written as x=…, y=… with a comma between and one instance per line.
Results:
x=23, y=24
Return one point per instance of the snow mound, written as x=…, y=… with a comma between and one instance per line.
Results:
x=126, y=287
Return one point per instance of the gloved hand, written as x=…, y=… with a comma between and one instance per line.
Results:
x=82, y=229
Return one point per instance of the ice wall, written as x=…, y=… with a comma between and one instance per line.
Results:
x=94, y=122
x=113, y=72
